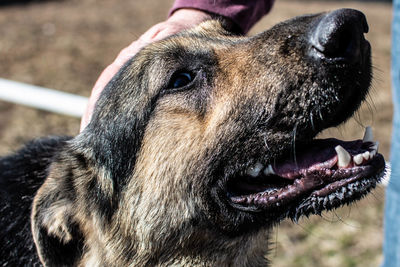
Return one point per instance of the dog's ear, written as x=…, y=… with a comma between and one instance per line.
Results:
x=218, y=27
x=57, y=236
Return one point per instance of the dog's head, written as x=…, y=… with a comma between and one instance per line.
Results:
x=205, y=139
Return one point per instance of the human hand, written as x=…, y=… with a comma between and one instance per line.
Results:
x=180, y=20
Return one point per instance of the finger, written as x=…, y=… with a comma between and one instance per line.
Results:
x=152, y=32
x=101, y=82
x=106, y=76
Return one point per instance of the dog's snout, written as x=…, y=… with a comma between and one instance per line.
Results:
x=339, y=35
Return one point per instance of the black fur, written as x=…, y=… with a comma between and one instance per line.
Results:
x=21, y=176
x=114, y=194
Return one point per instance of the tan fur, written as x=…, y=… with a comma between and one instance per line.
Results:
x=176, y=137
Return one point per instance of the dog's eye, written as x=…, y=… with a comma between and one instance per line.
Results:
x=181, y=79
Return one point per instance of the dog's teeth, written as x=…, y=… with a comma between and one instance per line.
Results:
x=368, y=136
x=255, y=170
x=269, y=170
x=344, y=157
x=358, y=159
x=366, y=155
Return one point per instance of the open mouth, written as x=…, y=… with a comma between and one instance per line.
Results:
x=324, y=174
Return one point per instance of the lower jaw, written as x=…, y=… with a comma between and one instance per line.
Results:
x=315, y=204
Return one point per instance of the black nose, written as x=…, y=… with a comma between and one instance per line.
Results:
x=339, y=35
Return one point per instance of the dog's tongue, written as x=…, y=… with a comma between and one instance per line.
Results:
x=318, y=155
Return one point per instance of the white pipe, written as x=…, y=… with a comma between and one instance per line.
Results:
x=42, y=98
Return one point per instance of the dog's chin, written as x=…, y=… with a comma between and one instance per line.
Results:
x=322, y=174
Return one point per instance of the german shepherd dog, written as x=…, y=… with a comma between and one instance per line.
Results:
x=197, y=148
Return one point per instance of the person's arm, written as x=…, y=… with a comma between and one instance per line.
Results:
x=244, y=13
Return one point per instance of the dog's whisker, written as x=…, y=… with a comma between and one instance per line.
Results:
x=338, y=217
x=312, y=119
x=320, y=114
x=358, y=119
x=265, y=142
x=275, y=244
x=294, y=132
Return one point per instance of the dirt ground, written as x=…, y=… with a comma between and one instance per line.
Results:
x=65, y=44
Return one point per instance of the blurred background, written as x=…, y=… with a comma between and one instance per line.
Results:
x=65, y=44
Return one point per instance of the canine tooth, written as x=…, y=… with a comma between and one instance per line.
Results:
x=368, y=136
x=366, y=155
x=269, y=170
x=254, y=171
x=375, y=146
x=358, y=159
x=344, y=157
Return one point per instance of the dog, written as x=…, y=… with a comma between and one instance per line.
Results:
x=199, y=145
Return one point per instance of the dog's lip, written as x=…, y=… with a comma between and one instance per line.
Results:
x=316, y=183
x=310, y=177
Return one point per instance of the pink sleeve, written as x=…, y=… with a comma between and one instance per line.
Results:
x=245, y=13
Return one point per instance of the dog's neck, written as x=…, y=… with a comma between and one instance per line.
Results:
x=249, y=250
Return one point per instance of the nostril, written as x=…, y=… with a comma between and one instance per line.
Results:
x=340, y=34
x=341, y=42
